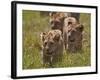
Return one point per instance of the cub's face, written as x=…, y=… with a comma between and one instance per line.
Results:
x=56, y=20
x=50, y=41
x=74, y=37
x=49, y=47
x=74, y=33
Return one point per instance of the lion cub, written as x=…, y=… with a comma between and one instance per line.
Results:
x=52, y=46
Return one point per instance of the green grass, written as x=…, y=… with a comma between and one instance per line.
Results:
x=33, y=25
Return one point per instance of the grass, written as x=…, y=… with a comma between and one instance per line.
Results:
x=33, y=25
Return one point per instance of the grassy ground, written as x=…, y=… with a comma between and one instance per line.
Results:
x=33, y=25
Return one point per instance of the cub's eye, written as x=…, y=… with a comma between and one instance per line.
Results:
x=69, y=30
x=45, y=43
x=51, y=22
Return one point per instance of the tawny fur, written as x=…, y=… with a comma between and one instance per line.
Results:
x=52, y=49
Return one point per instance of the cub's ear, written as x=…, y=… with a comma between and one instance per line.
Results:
x=57, y=37
x=51, y=14
x=42, y=36
x=80, y=27
x=62, y=15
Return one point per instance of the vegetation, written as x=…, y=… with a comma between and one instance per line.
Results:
x=34, y=24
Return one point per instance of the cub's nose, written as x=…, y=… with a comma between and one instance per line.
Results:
x=47, y=49
x=71, y=39
x=69, y=36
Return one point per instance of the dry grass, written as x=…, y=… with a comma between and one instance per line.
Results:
x=33, y=25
